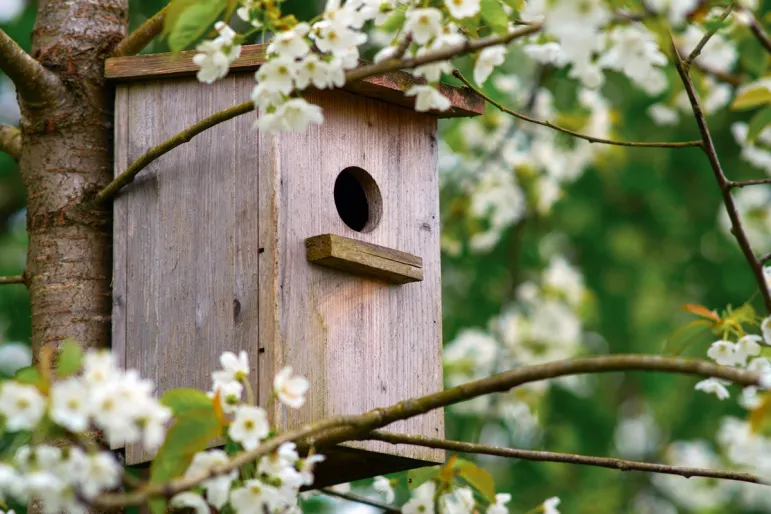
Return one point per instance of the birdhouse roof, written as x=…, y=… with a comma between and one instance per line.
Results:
x=388, y=87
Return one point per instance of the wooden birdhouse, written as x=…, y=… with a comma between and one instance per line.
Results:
x=318, y=250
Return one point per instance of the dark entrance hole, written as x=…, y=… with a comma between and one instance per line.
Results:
x=358, y=199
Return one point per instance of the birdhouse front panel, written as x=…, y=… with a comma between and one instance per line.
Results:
x=368, y=174
x=317, y=250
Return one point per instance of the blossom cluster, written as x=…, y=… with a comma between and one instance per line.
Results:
x=745, y=353
x=121, y=405
x=544, y=324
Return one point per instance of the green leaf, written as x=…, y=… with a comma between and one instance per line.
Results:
x=752, y=97
x=494, y=15
x=682, y=338
x=70, y=358
x=191, y=20
x=190, y=434
x=759, y=121
x=30, y=376
x=417, y=477
x=394, y=22
x=184, y=400
x=479, y=479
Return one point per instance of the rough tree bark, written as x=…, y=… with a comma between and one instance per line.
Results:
x=66, y=156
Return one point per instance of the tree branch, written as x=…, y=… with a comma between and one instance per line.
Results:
x=591, y=139
x=10, y=141
x=336, y=430
x=361, y=499
x=725, y=185
x=127, y=176
x=757, y=30
x=704, y=40
x=744, y=183
x=34, y=83
x=142, y=36
x=569, y=458
x=12, y=279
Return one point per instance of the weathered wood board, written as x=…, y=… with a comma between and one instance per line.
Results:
x=210, y=256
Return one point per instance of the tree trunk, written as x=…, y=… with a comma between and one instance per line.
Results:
x=67, y=155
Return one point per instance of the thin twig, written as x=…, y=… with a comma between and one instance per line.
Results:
x=127, y=176
x=142, y=36
x=709, y=149
x=704, y=40
x=361, y=499
x=765, y=258
x=569, y=458
x=591, y=139
x=336, y=430
x=10, y=141
x=757, y=30
x=731, y=184
x=719, y=75
x=34, y=83
x=12, y=279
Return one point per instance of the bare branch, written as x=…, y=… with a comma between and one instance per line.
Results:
x=765, y=258
x=757, y=30
x=12, y=279
x=443, y=54
x=704, y=40
x=719, y=75
x=142, y=36
x=744, y=183
x=10, y=141
x=361, y=499
x=725, y=185
x=336, y=430
x=569, y=458
x=125, y=178
x=34, y=83
x=591, y=139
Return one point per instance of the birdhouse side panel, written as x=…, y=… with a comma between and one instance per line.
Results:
x=187, y=235
x=362, y=342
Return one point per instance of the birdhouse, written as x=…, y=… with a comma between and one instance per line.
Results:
x=317, y=250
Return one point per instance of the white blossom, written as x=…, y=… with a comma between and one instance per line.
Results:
x=22, y=405
x=70, y=407
x=428, y=98
x=384, y=487
x=190, y=500
x=218, y=487
x=663, y=115
x=290, y=389
x=486, y=62
x=713, y=386
x=291, y=44
x=422, y=500
x=462, y=8
x=214, y=56
x=499, y=507
x=747, y=346
x=14, y=356
x=277, y=75
x=723, y=352
x=424, y=24
x=255, y=497
x=234, y=368
x=249, y=427
x=550, y=505
x=634, y=51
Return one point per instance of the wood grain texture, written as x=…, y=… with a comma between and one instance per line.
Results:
x=362, y=343
x=191, y=237
x=210, y=248
x=388, y=87
x=365, y=259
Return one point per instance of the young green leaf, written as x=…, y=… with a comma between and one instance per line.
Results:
x=759, y=121
x=30, y=376
x=494, y=15
x=192, y=22
x=417, y=477
x=70, y=358
x=183, y=400
x=752, y=97
x=190, y=434
x=479, y=479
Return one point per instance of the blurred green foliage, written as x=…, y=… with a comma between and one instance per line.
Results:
x=642, y=228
